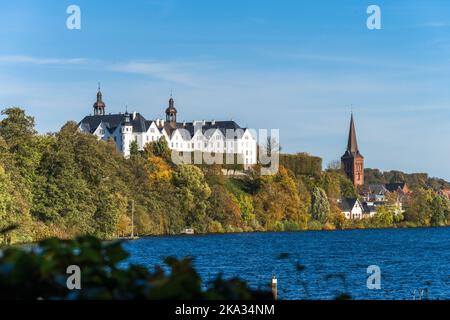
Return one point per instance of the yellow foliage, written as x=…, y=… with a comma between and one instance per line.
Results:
x=123, y=225
x=159, y=169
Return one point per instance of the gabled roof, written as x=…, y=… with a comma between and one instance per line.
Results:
x=208, y=127
x=347, y=204
x=392, y=187
x=377, y=189
x=111, y=121
x=368, y=208
x=445, y=192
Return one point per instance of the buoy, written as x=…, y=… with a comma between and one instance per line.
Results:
x=274, y=287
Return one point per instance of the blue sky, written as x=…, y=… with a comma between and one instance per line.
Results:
x=293, y=65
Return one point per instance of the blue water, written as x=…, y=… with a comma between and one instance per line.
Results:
x=335, y=261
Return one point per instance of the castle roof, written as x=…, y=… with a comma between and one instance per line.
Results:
x=140, y=124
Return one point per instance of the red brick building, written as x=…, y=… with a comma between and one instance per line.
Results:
x=352, y=160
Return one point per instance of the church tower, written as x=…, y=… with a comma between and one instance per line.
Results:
x=171, y=114
x=99, y=105
x=352, y=160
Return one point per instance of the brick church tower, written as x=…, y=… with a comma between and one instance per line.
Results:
x=352, y=160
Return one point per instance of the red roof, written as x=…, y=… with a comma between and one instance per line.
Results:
x=446, y=192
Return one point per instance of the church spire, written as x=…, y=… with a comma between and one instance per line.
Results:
x=352, y=144
x=99, y=105
x=171, y=113
x=352, y=160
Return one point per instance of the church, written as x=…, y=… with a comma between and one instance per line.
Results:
x=352, y=160
x=205, y=136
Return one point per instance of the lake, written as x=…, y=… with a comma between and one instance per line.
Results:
x=334, y=261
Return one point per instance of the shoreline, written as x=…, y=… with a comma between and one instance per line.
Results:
x=293, y=231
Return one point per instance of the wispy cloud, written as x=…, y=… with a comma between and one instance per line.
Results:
x=436, y=24
x=181, y=73
x=21, y=59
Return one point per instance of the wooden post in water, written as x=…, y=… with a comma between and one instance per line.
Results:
x=274, y=287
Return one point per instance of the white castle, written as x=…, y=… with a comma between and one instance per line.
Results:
x=221, y=137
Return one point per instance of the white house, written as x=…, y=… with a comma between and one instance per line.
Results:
x=352, y=208
x=205, y=136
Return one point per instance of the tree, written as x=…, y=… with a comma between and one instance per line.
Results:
x=134, y=148
x=247, y=209
x=418, y=209
x=440, y=210
x=384, y=217
x=158, y=148
x=224, y=207
x=17, y=129
x=193, y=192
x=320, y=208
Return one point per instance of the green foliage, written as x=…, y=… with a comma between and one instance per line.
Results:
x=418, y=209
x=247, y=209
x=384, y=217
x=278, y=200
x=413, y=180
x=40, y=273
x=302, y=164
x=134, y=148
x=192, y=193
x=320, y=208
x=440, y=210
x=158, y=148
x=69, y=183
x=224, y=207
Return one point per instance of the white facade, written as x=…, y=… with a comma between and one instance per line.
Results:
x=353, y=212
x=212, y=140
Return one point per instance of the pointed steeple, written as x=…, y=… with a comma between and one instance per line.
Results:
x=352, y=144
x=352, y=160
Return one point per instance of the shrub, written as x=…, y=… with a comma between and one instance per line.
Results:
x=41, y=274
x=314, y=225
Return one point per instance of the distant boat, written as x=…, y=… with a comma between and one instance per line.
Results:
x=188, y=231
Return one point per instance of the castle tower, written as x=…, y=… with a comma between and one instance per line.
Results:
x=171, y=114
x=127, y=134
x=352, y=160
x=99, y=105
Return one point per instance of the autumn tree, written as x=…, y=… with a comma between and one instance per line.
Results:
x=440, y=210
x=192, y=192
x=320, y=208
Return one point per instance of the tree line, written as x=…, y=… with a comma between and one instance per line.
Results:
x=68, y=183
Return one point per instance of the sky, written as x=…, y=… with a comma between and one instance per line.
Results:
x=297, y=66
